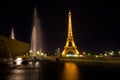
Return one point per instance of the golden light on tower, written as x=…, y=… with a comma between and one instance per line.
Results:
x=70, y=44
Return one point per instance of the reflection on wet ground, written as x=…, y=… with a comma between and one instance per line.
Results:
x=70, y=72
x=21, y=72
x=47, y=70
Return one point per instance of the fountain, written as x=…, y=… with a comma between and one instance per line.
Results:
x=35, y=48
x=10, y=55
x=12, y=34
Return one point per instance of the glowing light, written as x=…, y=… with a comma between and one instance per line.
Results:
x=119, y=52
x=71, y=55
x=38, y=52
x=42, y=53
x=84, y=53
x=19, y=58
x=45, y=55
x=18, y=61
x=55, y=53
x=111, y=53
x=30, y=51
x=67, y=55
x=96, y=56
x=76, y=55
x=89, y=54
x=30, y=62
x=105, y=54
x=37, y=63
x=81, y=55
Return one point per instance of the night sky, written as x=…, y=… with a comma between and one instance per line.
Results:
x=95, y=22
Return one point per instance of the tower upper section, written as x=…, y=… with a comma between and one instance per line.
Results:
x=70, y=34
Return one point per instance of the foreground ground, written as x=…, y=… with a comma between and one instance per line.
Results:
x=52, y=70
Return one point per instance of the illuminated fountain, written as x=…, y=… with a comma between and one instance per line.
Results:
x=36, y=43
x=12, y=36
x=10, y=53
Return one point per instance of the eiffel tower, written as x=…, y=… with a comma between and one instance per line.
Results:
x=70, y=47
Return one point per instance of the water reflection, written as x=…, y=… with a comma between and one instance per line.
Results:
x=24, y=72
x=70, y=72
x=16, y=75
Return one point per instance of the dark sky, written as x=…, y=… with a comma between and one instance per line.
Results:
x=95, y=22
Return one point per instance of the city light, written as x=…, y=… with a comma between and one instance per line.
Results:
x=81, y=55
x=42, y=54
x=105, y=54
x=119, y=52
x=89, y=54
x=19, y=61
x=38, y=52
x=37, y=63
x=30, y=51
x=84, y=53
x=71, y=55
x=111, y=53
x=96, y=56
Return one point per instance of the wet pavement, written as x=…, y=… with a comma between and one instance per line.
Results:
x=48, y=70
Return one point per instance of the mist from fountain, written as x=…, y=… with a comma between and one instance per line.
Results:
x=36, y=42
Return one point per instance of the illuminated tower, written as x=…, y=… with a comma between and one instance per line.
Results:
x=70, y=47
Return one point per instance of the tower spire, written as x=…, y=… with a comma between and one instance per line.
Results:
x=70, y=34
